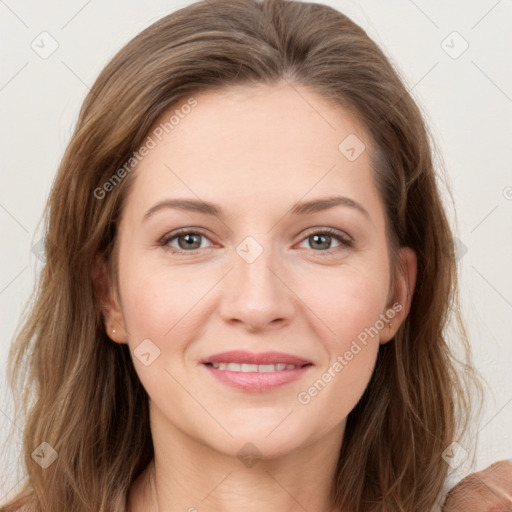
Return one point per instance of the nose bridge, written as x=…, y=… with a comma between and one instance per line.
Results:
x=255, y=292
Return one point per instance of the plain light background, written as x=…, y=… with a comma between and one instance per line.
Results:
x=454, y=58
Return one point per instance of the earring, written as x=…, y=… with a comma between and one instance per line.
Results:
x=113, y=330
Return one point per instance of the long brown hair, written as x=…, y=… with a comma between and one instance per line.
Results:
x=78, y=391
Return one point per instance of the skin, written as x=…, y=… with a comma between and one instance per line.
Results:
x=489, y=490
x=254, y=151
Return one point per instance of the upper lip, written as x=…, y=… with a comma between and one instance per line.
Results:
x=242, y=356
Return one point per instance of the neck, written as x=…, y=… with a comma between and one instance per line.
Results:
x=189, y=476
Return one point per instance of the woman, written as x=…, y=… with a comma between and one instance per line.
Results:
x=255, y=370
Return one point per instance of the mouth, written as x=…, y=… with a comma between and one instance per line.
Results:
x=243, y=357
x=252, y=368
x=256, y=372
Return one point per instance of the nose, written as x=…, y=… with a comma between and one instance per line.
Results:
x=256, y=293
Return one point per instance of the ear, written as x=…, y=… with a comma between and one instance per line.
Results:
x=106, y=294
x=399, y=305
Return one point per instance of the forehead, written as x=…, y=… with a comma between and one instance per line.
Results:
x=254, y=148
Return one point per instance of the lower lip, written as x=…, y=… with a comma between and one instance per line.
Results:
x=257, y=381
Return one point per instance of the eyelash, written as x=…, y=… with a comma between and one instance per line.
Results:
x=345, y=240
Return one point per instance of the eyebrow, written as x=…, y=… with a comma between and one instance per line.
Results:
x=299, y=208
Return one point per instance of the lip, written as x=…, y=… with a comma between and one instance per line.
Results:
x=242, y=356
x=256, y=381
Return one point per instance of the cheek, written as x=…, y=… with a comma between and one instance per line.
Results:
x=345, y=302
x=166, y=308
x=146, y=307
x=349, y=305
x=156, y=301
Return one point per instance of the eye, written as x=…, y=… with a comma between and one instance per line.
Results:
x=323, y=238
x=189, y=241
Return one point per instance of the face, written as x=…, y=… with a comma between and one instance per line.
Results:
x=261, y=275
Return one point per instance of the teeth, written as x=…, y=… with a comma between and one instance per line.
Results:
x=246, y=368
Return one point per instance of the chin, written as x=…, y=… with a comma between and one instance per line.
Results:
x=265, y=443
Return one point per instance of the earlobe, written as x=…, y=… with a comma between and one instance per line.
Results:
x=106, y=296
x=400, y=304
